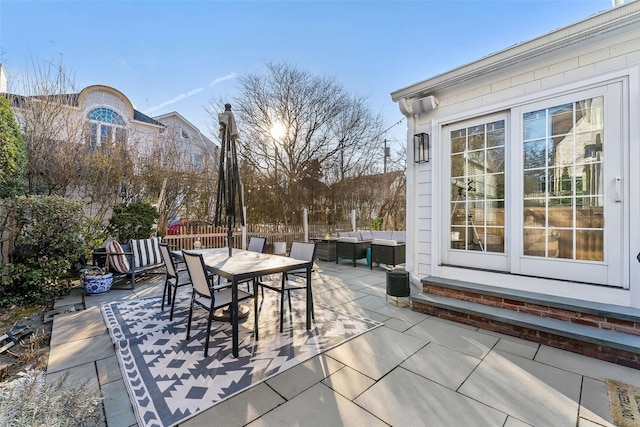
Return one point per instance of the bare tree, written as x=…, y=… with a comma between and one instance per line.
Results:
x=325, y=133
x=51, y=128
x=60, y=161
x=190, y=185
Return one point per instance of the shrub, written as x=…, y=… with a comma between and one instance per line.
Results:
x=29, y=401
x=133, y=221
x=13, y=155
x=49, y=241
x=376, y=224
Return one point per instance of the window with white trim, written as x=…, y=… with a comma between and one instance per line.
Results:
x=105, y=125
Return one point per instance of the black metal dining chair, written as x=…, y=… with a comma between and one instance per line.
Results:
x=294, y=279
x=175, y=278
x=256, y=244
x=206, y=295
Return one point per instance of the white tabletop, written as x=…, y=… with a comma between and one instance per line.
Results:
x=246, y=264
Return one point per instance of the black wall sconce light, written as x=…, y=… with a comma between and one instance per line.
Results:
x=421, y=147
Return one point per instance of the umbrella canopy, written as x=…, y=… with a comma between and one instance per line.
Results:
x=229, y=203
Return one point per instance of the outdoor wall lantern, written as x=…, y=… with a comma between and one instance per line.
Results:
x=421, y=147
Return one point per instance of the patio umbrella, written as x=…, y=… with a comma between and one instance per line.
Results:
x=229, y=206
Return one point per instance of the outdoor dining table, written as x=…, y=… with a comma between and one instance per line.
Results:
x=244, y=265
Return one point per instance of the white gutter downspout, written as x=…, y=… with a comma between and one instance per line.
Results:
x=411, y=110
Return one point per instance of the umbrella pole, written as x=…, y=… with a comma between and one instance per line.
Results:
x=230, y=237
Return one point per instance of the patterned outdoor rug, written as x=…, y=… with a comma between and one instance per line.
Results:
x=170, y=380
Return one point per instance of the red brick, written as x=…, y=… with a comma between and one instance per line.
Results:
x=592, y=317
x=586, y=322
x=530, y=311
x=584, y=344
x=559, y=316
x=626, y=330
x=513, y=307
x=622, y=322
x=513, y=302
x=536, y=307
x=563, y=312
x=630, y=363
x=621, y=353
x=599, y=355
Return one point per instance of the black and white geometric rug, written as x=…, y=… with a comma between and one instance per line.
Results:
x=169, y=379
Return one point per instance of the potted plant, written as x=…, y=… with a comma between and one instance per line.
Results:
x=97, y=281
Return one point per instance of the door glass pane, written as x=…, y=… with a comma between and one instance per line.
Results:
x=477, y=188
x=563, y=181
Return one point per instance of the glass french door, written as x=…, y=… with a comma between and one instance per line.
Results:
x=476, y=195
x=538, y=191
x=570, y=217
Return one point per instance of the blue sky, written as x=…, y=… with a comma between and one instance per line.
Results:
x=179, y=55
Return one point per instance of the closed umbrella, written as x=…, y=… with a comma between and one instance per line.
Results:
x=229, y=203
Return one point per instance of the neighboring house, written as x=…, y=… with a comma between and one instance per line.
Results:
x=532, y=182
x=195, y=148
x=100, y=114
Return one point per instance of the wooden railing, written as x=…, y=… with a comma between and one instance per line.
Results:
x=216, y=237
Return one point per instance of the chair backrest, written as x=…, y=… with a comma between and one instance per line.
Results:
x=279, y=248
x=256, y=244
x=197, y=273
x=303, y=251
x=168, y=260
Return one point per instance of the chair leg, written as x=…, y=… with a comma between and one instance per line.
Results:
x=281, y=309
x=206, y=341
x=164, y=293
x=173, y=301
x=255, y=307
x=282, y=301
x=313, y=314
x=193, y=297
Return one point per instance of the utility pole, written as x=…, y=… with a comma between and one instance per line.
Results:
x=387, y=153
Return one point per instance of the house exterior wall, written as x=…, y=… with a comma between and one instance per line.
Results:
x=599, y=50
x=195, y=149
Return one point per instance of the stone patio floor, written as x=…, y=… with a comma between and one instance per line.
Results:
x=415, y=370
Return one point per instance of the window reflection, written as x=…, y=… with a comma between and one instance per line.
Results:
x=477, y=188
x=563, y=182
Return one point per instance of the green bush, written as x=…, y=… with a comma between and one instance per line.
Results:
x=13, y=155
x=30, y=401
x=133, y=221
x=50, y=239
x=376, y=224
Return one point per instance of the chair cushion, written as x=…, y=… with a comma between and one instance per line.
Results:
x=384, y=242
x=348, y=239
x=383, y=234
x=399, y=236
x=146, y=252
x=117, y=261
x=366, y=236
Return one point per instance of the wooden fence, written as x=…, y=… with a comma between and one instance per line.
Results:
x=216, y=237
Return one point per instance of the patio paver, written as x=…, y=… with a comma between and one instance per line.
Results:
x=414, y=370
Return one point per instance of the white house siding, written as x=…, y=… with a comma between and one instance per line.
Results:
x=195, y=143
x=540, y=69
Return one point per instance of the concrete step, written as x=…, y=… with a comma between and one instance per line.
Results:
x=628, y=315
x=599, y=337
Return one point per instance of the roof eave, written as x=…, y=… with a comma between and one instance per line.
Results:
x=600, y=23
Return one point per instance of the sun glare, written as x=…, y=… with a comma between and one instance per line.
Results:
x=277, y=130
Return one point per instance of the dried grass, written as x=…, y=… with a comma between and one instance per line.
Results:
x=30, y=401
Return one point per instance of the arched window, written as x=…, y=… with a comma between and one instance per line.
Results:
x=105, y=125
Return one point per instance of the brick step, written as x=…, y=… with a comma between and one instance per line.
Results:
x=588, y=313
x=602, y=331
x=602, y=337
